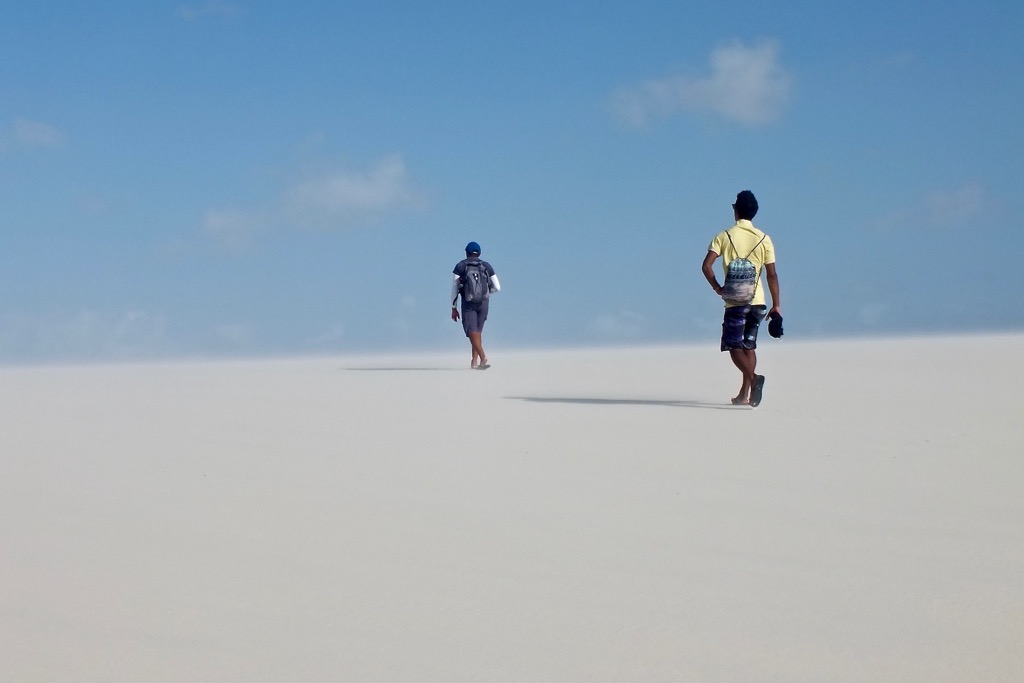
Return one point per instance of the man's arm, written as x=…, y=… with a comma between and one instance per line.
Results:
x=454, y=296
x=773, y=288
x=494, y=284
x=708, y=268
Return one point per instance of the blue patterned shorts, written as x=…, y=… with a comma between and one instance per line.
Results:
x=740, y=325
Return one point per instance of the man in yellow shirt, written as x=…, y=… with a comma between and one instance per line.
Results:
x=743, y=314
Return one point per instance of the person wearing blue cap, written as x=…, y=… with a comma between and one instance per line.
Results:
x=474, y=281
x=746, y=252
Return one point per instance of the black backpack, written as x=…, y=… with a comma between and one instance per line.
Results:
x=474, y=283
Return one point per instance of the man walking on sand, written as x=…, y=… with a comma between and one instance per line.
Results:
x=746, y=252
x=475, y=280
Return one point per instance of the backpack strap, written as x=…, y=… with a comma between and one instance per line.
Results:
x=731, y=243
x=752, y=250
x=755, y=246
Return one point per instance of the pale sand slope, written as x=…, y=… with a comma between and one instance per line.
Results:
x=563, y=516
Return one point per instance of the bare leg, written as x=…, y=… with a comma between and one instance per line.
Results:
x=746, y=361
x=477, y=342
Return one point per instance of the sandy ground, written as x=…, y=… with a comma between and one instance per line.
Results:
x=564, y=516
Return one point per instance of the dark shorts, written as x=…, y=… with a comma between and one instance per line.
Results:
x=739, y=326
x=474, y=316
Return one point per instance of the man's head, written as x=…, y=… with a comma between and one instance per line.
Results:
x=472, y=249
x=745, y=206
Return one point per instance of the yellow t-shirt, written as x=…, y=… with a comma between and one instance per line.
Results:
x=745, y=236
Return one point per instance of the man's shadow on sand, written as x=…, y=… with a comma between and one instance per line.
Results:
x=400, y=369
x=628, y=402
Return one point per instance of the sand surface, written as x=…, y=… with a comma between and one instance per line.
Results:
x=564, y=516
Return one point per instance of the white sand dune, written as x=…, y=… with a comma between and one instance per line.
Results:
x=563, y=516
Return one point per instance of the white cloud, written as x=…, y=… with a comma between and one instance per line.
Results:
x=37, y=134
x=209, y=9
x=31, y=134
x=233, y=228
x=338, y=198
x=343, y=192
x=958, y=207
x=745, y=84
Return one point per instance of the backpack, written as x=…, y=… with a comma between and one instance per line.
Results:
x=741, y=277
x=474, y=283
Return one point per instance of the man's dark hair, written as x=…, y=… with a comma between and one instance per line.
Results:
x=746, y=205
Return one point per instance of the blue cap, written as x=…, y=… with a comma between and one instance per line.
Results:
x=472, y=248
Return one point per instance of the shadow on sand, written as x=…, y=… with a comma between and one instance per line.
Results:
x=628, y=402
x=403, y=369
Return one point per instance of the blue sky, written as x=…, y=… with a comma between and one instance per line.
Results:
x=245, y=177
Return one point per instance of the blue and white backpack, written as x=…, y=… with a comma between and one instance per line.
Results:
x=741, y=277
